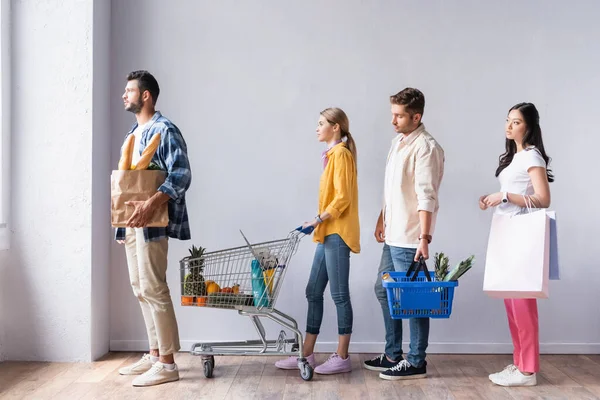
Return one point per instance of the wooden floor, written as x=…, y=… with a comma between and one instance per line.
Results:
x=450, y=377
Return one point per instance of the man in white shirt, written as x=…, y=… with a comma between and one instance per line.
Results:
x=413, y=174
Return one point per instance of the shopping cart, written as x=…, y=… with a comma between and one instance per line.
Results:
x=247, y=279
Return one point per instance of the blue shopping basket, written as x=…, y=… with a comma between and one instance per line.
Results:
x=418, y=295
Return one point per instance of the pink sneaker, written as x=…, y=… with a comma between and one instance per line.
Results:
x=292, y=362
x=334, y=365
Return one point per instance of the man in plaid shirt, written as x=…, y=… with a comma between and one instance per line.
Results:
x=146, y=248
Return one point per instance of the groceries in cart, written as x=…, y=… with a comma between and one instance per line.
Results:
x=200, y=287
x=263, y=267
x=194, y=284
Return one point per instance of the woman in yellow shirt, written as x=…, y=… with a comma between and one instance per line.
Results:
x=337, y=233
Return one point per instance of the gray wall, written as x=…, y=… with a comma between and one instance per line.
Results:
x=245, y=84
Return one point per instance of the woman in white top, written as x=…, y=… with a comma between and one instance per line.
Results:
x=524, y=176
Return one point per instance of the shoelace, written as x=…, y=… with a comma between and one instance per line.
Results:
x=331, y=358
x=145, y=358
x=379, y=358
x=156, y=368
x=509, y=370
x=401, y=365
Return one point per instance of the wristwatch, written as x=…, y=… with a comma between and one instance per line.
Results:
x=426, y=237
x=504, y=197
x=318, y=218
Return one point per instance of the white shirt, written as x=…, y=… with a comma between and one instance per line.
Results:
x=413, y=175
x=136, y=146
x=515, y=178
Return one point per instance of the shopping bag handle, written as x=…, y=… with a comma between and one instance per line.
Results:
x=307, y=231
x=417, y=266
x=529, y=203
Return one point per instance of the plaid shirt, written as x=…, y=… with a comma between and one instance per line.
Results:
x=171, y=156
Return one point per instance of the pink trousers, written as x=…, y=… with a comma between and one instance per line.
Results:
x=523, y=322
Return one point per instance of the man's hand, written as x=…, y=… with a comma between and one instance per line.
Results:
x=380, y=230
x=422, y=250
x=141, y=215
x=121, y=241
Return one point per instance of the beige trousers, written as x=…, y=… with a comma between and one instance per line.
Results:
x=147, y=264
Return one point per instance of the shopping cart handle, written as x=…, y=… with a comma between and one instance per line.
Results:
x=307, y=231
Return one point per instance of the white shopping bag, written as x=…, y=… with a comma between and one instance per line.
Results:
x=518, y=253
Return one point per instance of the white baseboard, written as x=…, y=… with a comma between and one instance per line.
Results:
x=377, y=347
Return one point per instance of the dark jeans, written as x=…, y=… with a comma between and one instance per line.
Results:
x=399, y=259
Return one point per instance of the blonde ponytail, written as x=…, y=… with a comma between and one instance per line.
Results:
x=350, y=144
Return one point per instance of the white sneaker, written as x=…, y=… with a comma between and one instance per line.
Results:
x=514, y=377
x=509, y=368
x=137, y=368
x=156, y=375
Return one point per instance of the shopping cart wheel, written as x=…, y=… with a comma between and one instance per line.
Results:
x=306, y=371
x=212, y=361
x=208, y=369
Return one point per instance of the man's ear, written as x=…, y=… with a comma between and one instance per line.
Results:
x=146, y=96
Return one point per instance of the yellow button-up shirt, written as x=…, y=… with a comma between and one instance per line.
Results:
x=338, y=195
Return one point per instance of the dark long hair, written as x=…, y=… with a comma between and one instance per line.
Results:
x=533, y=137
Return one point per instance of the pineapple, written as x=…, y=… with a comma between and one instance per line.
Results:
x=441, y=266
x=194, y=284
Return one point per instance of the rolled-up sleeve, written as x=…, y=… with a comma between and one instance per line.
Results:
x=342, y=183
x=429, y=167
x=173, y=151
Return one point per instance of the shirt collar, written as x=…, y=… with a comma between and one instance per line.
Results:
x=330, y=150
x=154, y=118
x=407, y=140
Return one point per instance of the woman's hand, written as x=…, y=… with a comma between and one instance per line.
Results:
x=493, y=200
x=314, y=224
x=482, y=204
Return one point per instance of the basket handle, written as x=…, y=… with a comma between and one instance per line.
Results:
x=417, y=266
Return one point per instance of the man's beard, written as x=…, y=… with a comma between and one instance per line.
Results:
x=135, y=107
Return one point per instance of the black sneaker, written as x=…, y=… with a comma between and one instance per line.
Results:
x=404, y=370
x=380, y=363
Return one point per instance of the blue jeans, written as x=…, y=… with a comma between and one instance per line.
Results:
x=399, y=259
x=331, y=264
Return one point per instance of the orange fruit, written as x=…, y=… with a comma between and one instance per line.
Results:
x=201, y=301
x=212, y=288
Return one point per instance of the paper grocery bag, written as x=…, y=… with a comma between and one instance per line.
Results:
x=132, y=185
x=518, y=253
